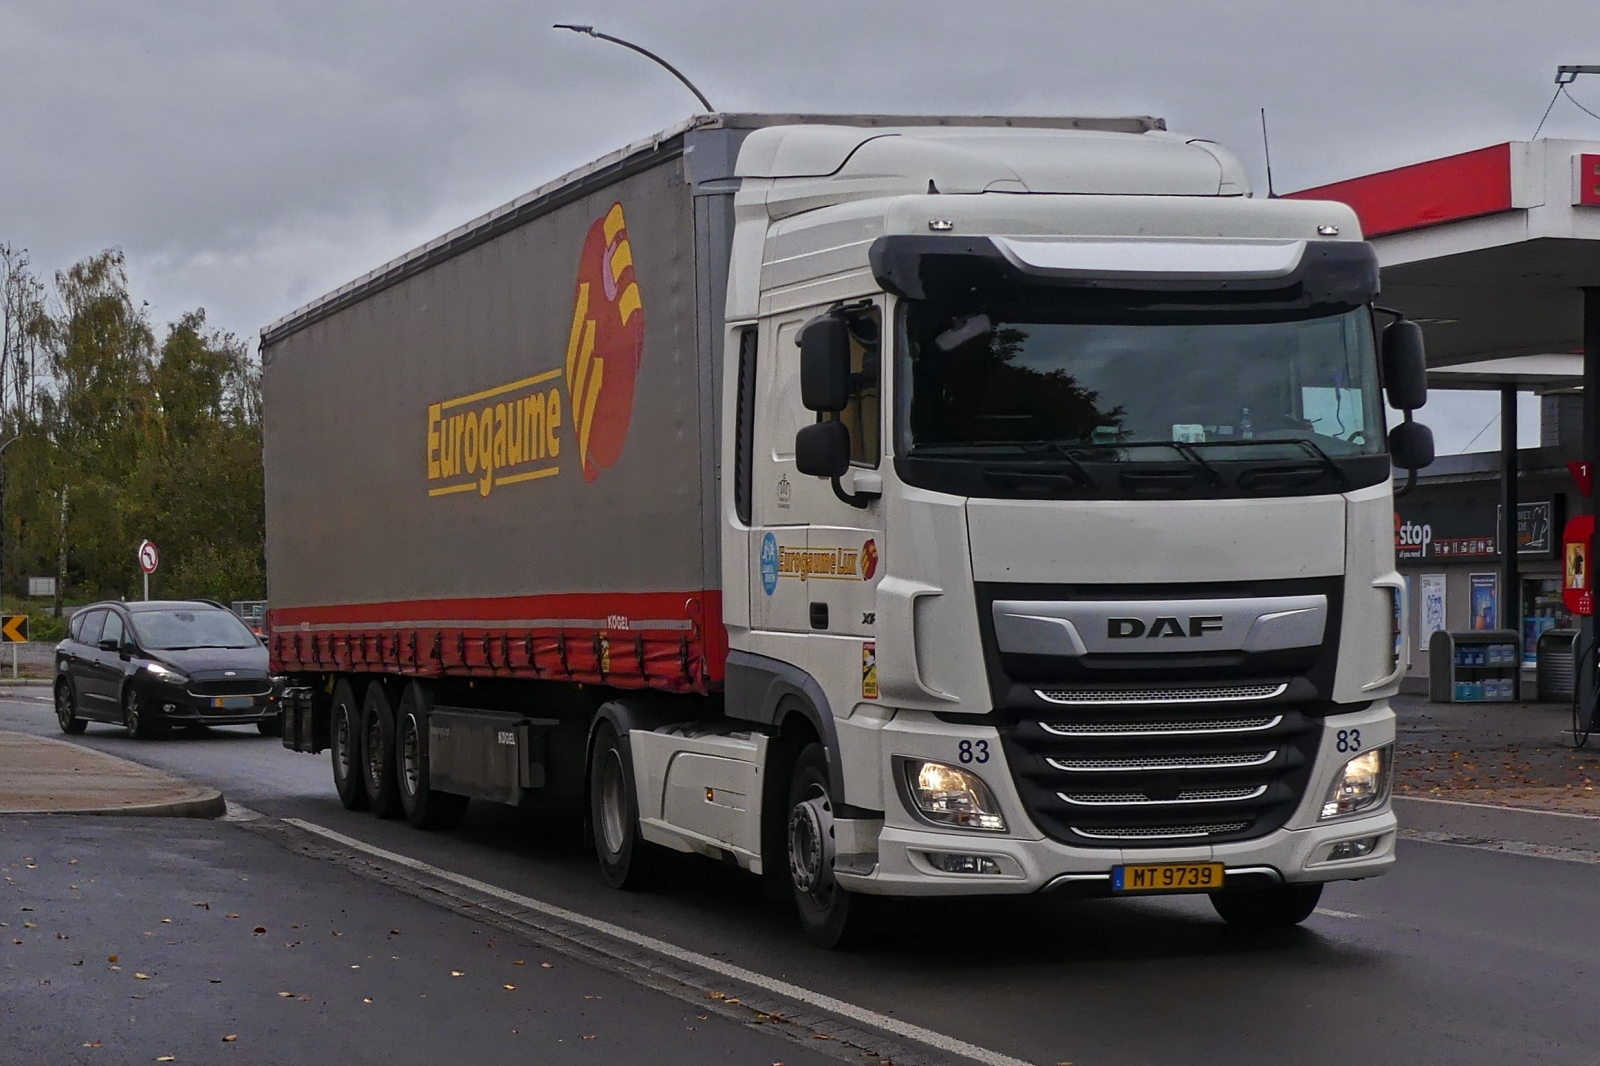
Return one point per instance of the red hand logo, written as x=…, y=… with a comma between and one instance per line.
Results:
x=605, y=344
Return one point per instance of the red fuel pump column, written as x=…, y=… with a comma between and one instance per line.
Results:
x=1577, y=581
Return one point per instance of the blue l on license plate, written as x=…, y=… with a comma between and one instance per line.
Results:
x=232, y=702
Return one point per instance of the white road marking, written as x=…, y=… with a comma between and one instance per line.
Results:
x=1499, y=807
x=1509, y=847
x=693, y=958
x=1329, y=912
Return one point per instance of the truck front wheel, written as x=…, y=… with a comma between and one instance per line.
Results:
x=830, y=915
x=1278, y=907
x=627, y=861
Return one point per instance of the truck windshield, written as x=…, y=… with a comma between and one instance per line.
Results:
x=1015, y=382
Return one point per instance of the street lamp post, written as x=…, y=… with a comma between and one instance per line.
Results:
x=674, y=71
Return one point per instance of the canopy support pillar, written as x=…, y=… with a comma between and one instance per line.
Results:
x=1510, y=607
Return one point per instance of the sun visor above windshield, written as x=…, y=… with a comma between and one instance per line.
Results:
x=1297, y=273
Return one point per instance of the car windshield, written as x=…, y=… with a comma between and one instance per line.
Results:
x=174, y=630
x=1015, y=380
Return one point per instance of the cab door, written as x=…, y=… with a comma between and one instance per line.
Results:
x=815, y=558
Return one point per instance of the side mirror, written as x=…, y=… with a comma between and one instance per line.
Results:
x=824, y=364
x=1405, y=367
x=822, y=449
x=1411, y=445
x=108, y=645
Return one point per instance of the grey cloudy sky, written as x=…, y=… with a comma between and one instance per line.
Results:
x=250, y=155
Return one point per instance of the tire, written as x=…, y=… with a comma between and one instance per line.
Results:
x=344, y=747
x=627, y=861
x=271, y=727
x=67, y=709
x=830, y=916
x=1279, y=907
x=135, y=719
x=377, y=753
x=424, y=806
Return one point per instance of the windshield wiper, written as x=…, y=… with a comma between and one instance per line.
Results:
x=1033, y=453
x=1310, y=446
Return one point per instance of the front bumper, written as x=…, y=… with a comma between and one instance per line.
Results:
x=177, y=705
x=1025, y=860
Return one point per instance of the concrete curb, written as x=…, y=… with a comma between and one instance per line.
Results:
x=209, y=804
x=24, y=682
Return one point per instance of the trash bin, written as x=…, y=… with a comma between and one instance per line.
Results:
x=1553, y=665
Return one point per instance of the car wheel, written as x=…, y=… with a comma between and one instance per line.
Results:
x=1279, y=907
x=67, y=708
x=136, y=718
x=377, y=752
x=627, y=860
x=344, y=746
x=830, y=915
x=425, y=806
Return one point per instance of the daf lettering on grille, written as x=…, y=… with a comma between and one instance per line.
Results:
x=1164, y=626
x=1122, y=627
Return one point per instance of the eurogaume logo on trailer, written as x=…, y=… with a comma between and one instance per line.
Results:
x=512, y=433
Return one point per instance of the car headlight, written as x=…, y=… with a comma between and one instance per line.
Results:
x=1363, y=783
x=163, y=672
x=948, y=796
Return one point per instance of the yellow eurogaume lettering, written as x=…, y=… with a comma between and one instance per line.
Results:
x=513, y=433
x=552, y=422
x=469, y=441
x=495, y=444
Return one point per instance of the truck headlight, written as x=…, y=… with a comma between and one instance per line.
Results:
x=163, y=672
x=948, y=796
x=1363, y=783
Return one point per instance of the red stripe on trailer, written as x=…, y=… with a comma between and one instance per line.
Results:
x=673, y=641
x=1451, y=189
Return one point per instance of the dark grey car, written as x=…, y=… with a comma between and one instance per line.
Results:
x=150, y=665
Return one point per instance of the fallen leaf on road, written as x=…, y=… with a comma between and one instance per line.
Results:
x=216, y=980
x=716, y=995
x=73, y=887
x=457, y=973
x=230, y=1038
x=207, y=906
x=394, y=932
x=591, y=997
x=260, y=930
x=232, y=916
x=166, y=921
x=304, y=999
x=355, y=966
x=141, y=976
x=113, y=967
x=821, y=1036
x=78, y=963
x=285, y=995
x=92, y=1043
x=74, y=862
x=29, y=925
x=367, y=1000
x=509, y=988
x=589, y=1037
x=520, y=962
x=167, y=1058
x=111, y=958
x=547, y=966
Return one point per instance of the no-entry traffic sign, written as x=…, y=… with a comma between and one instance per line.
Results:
x=149, y=556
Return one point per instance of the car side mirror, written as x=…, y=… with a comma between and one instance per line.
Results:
x=106, y=644
x=824, y=364
x=1405, y=366
x=822, y=449
x=1411, y=445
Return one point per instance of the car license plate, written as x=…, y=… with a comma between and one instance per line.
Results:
x=1167, y=877
x=233, y=702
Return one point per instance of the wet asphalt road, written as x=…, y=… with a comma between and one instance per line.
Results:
x=1459, y=956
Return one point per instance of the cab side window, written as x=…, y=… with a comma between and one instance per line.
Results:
x=92, y=626
x=113, y=628
x=863, y=413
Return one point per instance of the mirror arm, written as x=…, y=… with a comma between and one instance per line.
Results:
x=1411, y=472
x=857, y=499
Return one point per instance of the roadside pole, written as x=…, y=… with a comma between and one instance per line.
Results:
x=149, y=559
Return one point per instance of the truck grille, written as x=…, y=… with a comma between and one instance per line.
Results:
x=1134, y=775
x=1077, y=697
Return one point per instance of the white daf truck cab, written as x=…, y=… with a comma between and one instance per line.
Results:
x=1060, y=499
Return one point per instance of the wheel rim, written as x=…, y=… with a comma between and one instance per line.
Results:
x=64, y=705
x=613, y=803
x=374, y=751
x=341, y=741
x=411, y=755
x=811, y=846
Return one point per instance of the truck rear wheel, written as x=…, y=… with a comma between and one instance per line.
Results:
x=1278, y=907
x=626, y=859
x=830, y=915
x=377, y=753
x=344, y=746
x=425, y=807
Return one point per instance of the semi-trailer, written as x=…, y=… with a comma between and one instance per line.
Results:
x=887, y=505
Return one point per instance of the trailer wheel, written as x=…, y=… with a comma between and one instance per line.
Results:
x=830, y=915
x=425, y=807
x=627, y=860
x=344, y=746
x=378, y=754
x=1279, y=907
